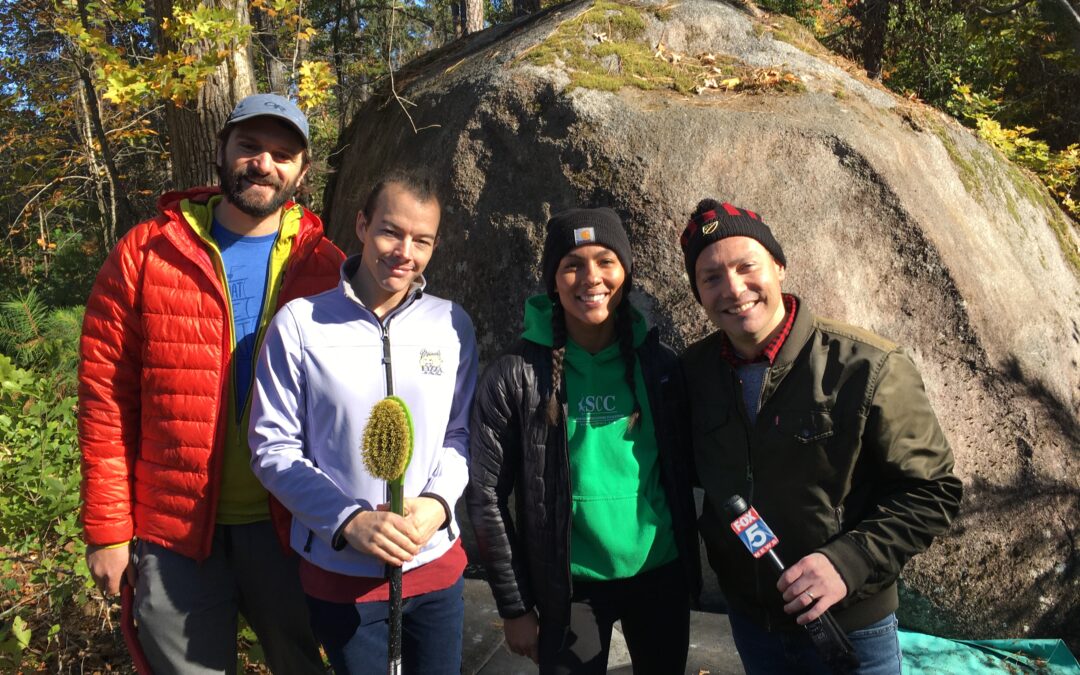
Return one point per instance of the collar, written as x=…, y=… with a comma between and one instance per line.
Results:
x=768, y=355
x=345, y=280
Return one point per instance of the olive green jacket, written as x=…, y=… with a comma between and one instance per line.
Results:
x=846, y=458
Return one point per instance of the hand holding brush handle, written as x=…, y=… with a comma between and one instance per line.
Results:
x=387, y=448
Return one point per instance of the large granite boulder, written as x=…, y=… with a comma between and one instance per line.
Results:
x=893, y=217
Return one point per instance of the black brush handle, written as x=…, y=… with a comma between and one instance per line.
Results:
x=394, y=644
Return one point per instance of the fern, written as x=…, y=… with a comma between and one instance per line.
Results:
x=40, y=338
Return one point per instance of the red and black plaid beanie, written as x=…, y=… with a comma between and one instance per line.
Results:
x=572, y=228
x=713, y=221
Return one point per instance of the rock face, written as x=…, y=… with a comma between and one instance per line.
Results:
x=893, y=217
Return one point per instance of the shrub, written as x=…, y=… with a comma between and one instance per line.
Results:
x=40, y=546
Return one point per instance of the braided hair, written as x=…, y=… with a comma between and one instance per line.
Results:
x=624, y=332
x=558, y=354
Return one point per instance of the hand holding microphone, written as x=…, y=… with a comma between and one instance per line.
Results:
x=812, y=584
x=796, y=584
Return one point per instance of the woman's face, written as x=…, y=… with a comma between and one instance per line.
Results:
x=589, y=281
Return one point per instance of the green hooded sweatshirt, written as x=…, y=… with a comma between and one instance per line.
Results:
x=621, y=524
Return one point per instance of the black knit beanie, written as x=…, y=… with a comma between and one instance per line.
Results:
x=713, y=221
x=581, y=227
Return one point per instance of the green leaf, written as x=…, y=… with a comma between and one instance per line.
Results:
x=21, y=631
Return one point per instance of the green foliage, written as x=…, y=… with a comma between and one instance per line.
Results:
x=54, y=201
x=41, y=339
x=203, y=37
x=1059, y=171
x=40, y=544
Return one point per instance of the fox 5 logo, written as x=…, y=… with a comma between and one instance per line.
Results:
x=754, y=533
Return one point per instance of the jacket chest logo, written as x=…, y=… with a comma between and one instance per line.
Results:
x=596, y=404
x=431, y=362
x=599, y=408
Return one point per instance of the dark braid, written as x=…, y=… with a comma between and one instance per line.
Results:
x=558, y=353
x=624, y=332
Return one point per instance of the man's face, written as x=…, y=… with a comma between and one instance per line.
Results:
x=398, y=240
x=261, y=166
x=739, y=284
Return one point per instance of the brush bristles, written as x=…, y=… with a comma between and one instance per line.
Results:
x=387, y=442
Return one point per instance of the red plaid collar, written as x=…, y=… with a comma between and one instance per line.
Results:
x=728, y=353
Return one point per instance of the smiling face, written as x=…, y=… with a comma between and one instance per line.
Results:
x=398, y=242
x=260, y=166
x=589, y=281
x=739, y=283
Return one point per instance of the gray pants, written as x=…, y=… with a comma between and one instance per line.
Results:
x=187, y=611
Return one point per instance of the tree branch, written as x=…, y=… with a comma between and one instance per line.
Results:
x=1000, y=11
x=393, y=87
x=1071, y=10
x=1021, y=3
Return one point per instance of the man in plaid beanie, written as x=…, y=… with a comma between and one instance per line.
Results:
x=827, y=431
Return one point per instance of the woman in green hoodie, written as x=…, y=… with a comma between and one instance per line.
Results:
x=574, y=421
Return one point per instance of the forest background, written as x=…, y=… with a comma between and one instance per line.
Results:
x=106, y=104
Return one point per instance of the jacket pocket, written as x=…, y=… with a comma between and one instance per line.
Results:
x=808, y=443
x=815, y=426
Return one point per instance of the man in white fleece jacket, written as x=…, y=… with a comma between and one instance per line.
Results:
x=325, y=362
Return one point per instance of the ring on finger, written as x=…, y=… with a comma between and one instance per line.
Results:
x=809, y=595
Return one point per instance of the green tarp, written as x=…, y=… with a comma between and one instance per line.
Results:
x=930, y=655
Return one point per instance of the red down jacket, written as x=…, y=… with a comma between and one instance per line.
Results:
x=153, y=374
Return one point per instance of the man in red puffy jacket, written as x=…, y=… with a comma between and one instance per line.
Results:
x=172, y=328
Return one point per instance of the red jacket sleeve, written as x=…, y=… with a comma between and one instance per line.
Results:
x=109, y=392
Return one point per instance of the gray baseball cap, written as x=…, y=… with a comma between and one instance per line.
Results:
x=270, y=105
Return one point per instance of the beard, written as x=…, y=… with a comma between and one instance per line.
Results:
x=246, y=201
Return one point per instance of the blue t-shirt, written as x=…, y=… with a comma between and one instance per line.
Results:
x=246, y=260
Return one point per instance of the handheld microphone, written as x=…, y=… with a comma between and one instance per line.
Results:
x=829, y=640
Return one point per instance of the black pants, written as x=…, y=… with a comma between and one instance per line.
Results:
x=654, y=608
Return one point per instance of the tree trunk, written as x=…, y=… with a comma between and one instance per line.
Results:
x=523, y=7
x=360, y=90
x=457, y=17
x=270, y=52
x=118, y=216
x=339, y=66
x=106, y=210
x=193, y=128
x=873, y=17
x=474, y=16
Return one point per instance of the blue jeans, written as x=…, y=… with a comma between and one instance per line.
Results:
x=354, y=635
x=783, y=652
